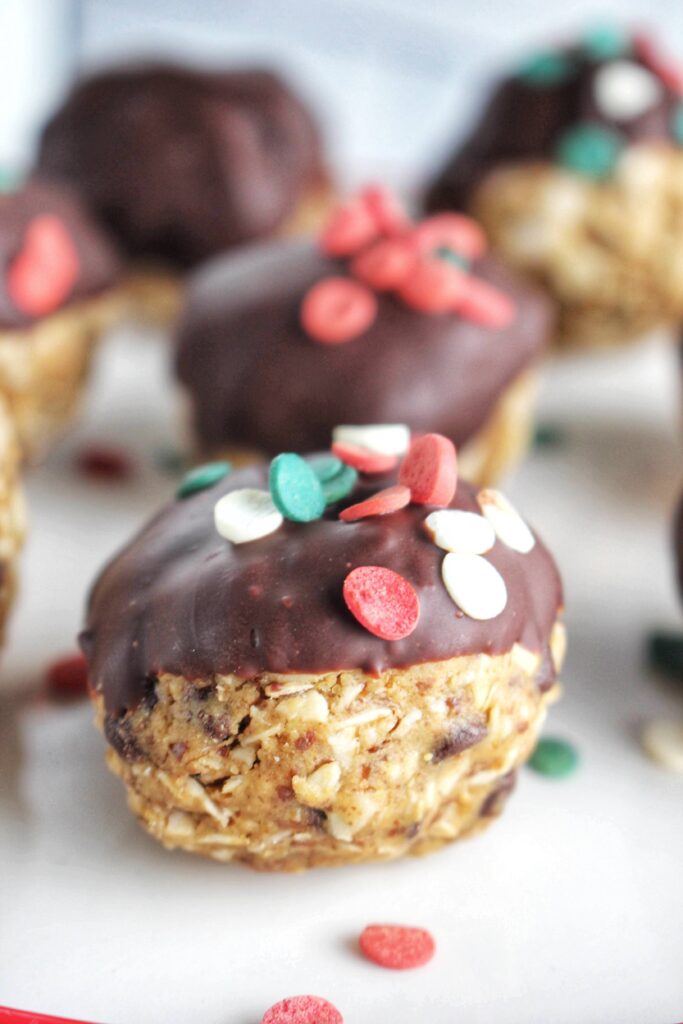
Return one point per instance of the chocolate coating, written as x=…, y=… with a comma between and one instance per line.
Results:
x=256, y=378
x=181, y=163
x=523, y=121
x=182, y=599
x=99, y=263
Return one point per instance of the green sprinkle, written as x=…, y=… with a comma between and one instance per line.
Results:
x=202, y=477
x=606, y=42
x=677, y=124
x=340, y=486
x=549, y=435
x=547, y=68
x=451, y=256
x=10, y=180
x=325, y=466
x=589, y=150
x=665, y=653
x=295, y=489
x=555, y=758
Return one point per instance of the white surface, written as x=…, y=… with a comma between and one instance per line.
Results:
x=568, y=910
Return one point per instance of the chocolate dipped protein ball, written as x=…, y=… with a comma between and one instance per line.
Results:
x=379, y=321
x=59, y=290
x=298, y=666
x=12, y=521
x=575, y=169
x=182, y=164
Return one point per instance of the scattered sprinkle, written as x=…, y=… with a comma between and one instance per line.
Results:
x=547, y=68
x=350, y=228
x=486, y=305
x=506, y=521
x=665, y=653
x=340, y=485
x=605, y=42
x=677, y=124
x=451, y=256
x=325, y=467
x=386, y=209
x=296, y=490
x=381, y=438
x=549, y=435
x=554, y=757
x=382, y=601
x=397, y=947
x=391, y=499
x=589, y=150
x=245, y=515
x=102, y=462
x=303, y=1010
x=453, y=231
x=434, y=287
x=464, y=532
x=663, y=741
x=68, y=676
x=364, y=460
x=430, y=470
x=202, y=477
x=337, y=309
x=42, y=275
x=10, y=179
x=474, y=585
x=666, y=70
x=386, y=265
x=624, y=90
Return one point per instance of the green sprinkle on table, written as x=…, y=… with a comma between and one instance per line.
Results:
x=554, y=757
x=606, y=42
x=202, y=477
x=10, y=180
x=340, y=486
x=451, y=256
x=547, y=68
x=677, y=124
x=549, y=435
x=325, y=466
x=665, y=653
x=296, y=491
x=589, y=150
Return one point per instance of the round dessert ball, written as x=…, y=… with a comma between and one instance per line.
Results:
x=12, y=519
x=575, y=169
x=356, y=686
x=59, y=290
x=284, y=340
x=182, y=164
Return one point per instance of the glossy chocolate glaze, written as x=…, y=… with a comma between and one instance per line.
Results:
x=523, y=121
x=99, y=264
x=180, y=163
x=256, y=378
x=182, y=599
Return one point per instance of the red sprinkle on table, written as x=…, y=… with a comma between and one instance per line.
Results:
x=337, y=309
x=68, y=677
x=486, y=305
x=382, y=601
x=397, y=947
x=104, y=463
x=303, y=1010
x=387, y=264
x=46, y=268
x=8, y=1016
x=668, y=72
x=363, y=459
x=453, y=231
x=349, y=229
x=386, y=209
x=391, y=499
x=430, y=470
x=434, y=286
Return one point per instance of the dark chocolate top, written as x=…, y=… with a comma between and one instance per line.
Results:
x=524, y=118
x=256, y=378
x=98, y=260
x=182, y=599
x=181, y=163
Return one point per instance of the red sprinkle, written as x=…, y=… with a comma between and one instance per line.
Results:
x=486, y=305
x=391, y=499
x=453, y=231
x=42, y=275
x=667, y=71
x=386, y=209
x=337, y=309
x=8, y=1016
x=350, y=228
x=104, y=463
x=434, y=286
x=387, y=264
x=397, y=947
x=68, y=677
x=382, y=601
x=363, y=459
x=303, y=1010
x=430, y=470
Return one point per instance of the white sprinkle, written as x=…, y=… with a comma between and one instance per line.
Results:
x=624, y=90
x=379, y=438
x=475, y=585
x=663, y=741
x=464, y=532
x=246, y=515
x=506, y=521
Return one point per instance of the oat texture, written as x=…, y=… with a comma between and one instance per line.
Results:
x=288, y=772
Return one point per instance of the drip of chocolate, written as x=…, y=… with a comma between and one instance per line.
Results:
x=524, y=119
x=181, y=599
x=257, y=379
x=99, y=265
x=182, y=164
